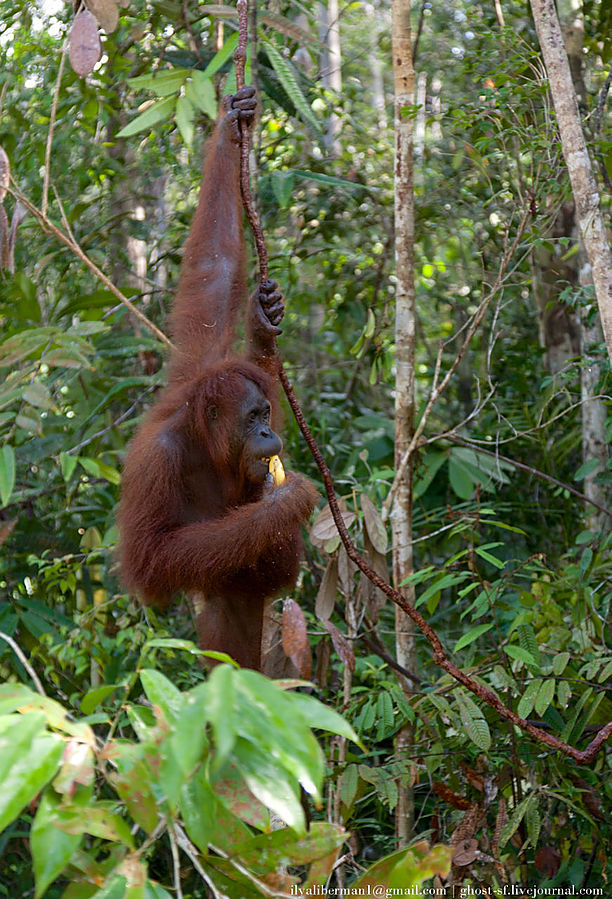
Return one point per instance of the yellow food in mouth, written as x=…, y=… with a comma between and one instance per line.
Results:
x=275, y=468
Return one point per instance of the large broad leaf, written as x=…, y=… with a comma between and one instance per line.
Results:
x=270, y=851
x=163, y=83
x=319, y=716
x=271, y=785
x=133, y=782
x=221, y=710
x=161, y=692
x=156, y=112
x=7, y=473
x=29, y=759
x=51, y=847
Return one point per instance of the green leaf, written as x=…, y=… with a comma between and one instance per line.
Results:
x=318, y=715
x=282, y=185
x=93, y=698
x=222, y=56
x=564, y=692
x=7, y=473
x=521, y=655
x=220, y=709
x=545, y=696
x=287, y=78
x=560, y=663
x=582, y=701
x=334, y=182
x=200, y=810
x=185, y=115
x=474, y=722
x=429, y=465
x=163, y=82
x=156, y=112
x=528, y=641
x=99, y=469
x=348, y=784
x=447, y=580
x=201, y=91
x=527, y=700
x=134, y=783
x=37, y=394
x=37, y=763
x=172, y=643
x=472, y=635
x=268, y=852
x=188, y=739
x=587, y=468
x=385, y=715
x=515, y=820
x=482, y=552
x=161, y=692
x=51, y=847
x=461, y=480
x=272, y=785
x=68, y=464
x=114, y=888
x=534, y=823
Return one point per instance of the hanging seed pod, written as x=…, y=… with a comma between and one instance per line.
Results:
x=85, y=46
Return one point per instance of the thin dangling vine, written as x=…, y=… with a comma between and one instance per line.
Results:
x=440, y=657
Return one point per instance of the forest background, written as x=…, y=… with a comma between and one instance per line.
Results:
x=124, y=773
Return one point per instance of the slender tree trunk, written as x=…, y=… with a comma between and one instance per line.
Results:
x=378, y=85
x=331, y=66
x=584, y=187
x=405, y=329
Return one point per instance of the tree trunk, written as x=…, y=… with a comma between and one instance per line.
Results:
x=405, y=328
x=378, y=85
x=584, y=187
x=331, y=66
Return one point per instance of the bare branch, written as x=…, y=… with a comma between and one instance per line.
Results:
x=47, y=176
x=70, y=241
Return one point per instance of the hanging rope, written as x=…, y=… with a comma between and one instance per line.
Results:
x=439, y=655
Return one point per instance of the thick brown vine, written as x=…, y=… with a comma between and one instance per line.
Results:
x=440, y=657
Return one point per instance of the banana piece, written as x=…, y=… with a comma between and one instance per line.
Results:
x=275, y=467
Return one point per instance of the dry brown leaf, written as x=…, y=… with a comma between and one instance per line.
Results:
x=5, y=172
x=326, y=597
x=469, y=824
x=293, y=629
x=374, y=598
x=501, y=821
x=374, y=524
x=341, y=645
x=448, y=795
x=4, y=239
x=106, y=12
x=85, y=46
x=303, y=662
x=465, y=853
x=323, y=660
x=324, y=527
